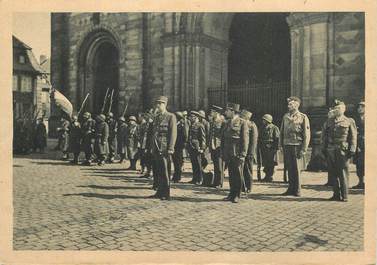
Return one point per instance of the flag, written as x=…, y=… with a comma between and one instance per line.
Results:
x=62, y=102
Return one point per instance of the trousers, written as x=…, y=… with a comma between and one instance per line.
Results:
x=161, y=170
x=294, y=167
x=218, y=167
x=248, y=172
x=178, y=163
x=338, y=163
x=235, y=169
x=196, y=162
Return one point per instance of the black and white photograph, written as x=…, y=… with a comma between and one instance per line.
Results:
x=221, y=132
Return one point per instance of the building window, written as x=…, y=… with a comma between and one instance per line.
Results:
x=15, y=83
x=21, y=59
x=26, y=84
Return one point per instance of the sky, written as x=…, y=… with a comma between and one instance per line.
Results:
x=34, y=29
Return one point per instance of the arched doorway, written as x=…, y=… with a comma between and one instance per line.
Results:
x=99, y=72
x=259, y=62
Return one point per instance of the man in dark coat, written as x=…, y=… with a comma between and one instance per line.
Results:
x=251, y=156
x=163, y=137
x=295, y=138
x=339, y=143
x=122, y=137
x=360, y=150
x=75, y=139
x=40, y=136
x=268, y=145
x=214, y=144
x=132, y=142
x=101, y=139
x=88, y=129
x=113, y=128
x=182, y=138
x=235, y=142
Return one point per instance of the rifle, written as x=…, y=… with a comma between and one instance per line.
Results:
x=83, y=104
x=125, y=109
x=259, y=161
x=111, y=101
x=104, y=101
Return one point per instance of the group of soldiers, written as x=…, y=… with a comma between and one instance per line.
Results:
x=30, y=135
x=227, y=136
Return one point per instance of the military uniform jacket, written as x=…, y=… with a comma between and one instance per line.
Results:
x=113, y=128
x=340, y=133
x=132, y=140
x=215, y=135
x=121, y=137
x=295, y=130
x=88, y=128
x=65, y=127
x=197, y=137
x=269, y=136
x=253, y=140
x=235, y=138
x=207, y=128
x=143, y=134
x=182, y=134
x=360, y=125
x=102, y=135
x=163, y=133
x=75, y=137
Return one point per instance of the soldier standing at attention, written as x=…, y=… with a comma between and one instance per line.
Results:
x=196, y=146
x=101, y=139
x=295, y=138
x=113, y=128
x=88, y=128
x=163, y=137
x=251, y=156
x=75, y=140
x=121, y=139
x=235, y=142
x=268, y=146
x=142, y=139
x=340, y=141
x=360, y=150
x=216, y=125
x=182, y=137
x=132, y=142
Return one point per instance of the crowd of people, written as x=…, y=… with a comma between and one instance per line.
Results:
x=228, y=137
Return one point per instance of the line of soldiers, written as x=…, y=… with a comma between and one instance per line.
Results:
x=29, y=135
x=229, y=138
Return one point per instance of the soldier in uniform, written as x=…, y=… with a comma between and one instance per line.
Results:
x=340, y=139
x=121, y=139
x=360, y=150
x=88, y=128
x=64, y=132
x=148, y=157
x=182, y=138
x=132, y=142
x=40, y=136
x=251, y=156
x=235, y=142
x=142, y=139
x=330, y=114
x=206, y=154
x=196, y=147
x=295, y=138
x=216, y=124
x=268, y=146
x=113, y=128
x=75, y=139
x=101, y=139
x=163, y=137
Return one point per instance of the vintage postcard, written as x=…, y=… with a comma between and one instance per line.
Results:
x=227, y=132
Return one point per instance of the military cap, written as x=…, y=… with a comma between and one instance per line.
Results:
x=361, y=103
x=86, y=114
x=195, y=113
x=246, y=114
x=74, y=117
x=293, y=98
x=101, y=117
x=338, y=102
x=110, y=115
x=267, y=117
x=202, y=114
x=132, y=118
x=179, y=114
x=162, y=99
x=216, y=108
x=184, y=113
x=233, y=106
x=122, y=119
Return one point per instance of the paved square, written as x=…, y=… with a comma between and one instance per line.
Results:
x=58, y=206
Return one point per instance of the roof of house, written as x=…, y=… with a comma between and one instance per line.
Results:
x=31, y=64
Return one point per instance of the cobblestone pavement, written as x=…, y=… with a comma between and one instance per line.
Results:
x=58, y=206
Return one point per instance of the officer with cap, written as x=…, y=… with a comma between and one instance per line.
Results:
x=121, y=139
x=182, y=138
x=360, y=150
x=268, y=145
x=88, y=128
x=101, y=147
x=163, y=137
x=251, y=156
x=216, y=126
x=113, y=128
x=235, y=142
x=340, y=139
x=75, y=139
x=294, y=138
x=132, y=142
x=196, y=147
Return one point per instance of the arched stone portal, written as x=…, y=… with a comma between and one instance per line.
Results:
x=99, y=71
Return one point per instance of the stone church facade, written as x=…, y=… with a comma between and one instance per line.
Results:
x=184, y=55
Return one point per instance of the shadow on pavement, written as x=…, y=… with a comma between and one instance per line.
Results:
x=114, y=187
x=278, y=197
x=106, y=196
x=60, y=163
